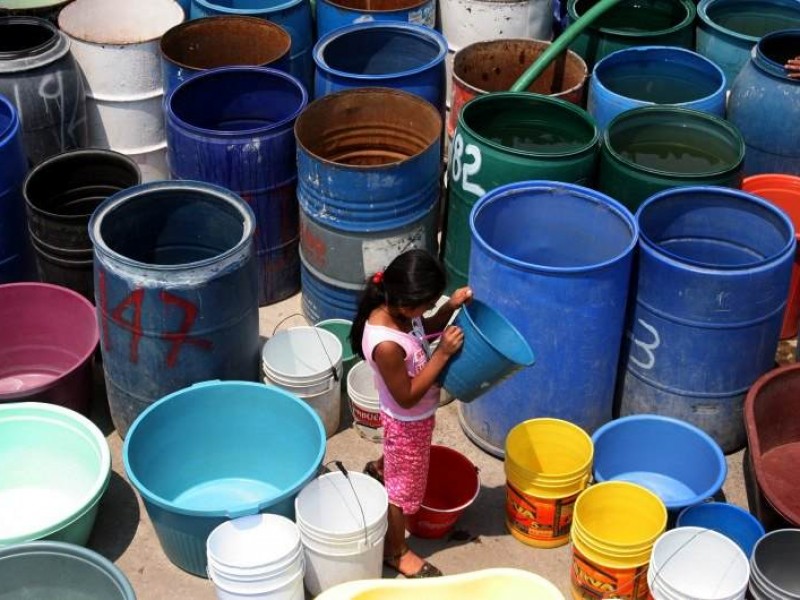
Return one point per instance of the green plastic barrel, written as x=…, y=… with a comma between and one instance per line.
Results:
x=654, y=148
x=504, y=138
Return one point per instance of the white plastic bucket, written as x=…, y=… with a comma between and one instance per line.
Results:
x=693, y=563
x=364, y=402
x=342, y=522
x=302, y=360
x=256, y=557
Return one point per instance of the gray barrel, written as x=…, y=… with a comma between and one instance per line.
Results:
x=368, y=181
x=39, y=75
x=61, y=194
x=176, y=291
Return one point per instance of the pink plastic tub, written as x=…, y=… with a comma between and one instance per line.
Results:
x=49, y=334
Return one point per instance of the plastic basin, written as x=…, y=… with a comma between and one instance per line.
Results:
x=55, y=467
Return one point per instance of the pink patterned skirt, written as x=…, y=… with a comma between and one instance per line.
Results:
x=407, y=454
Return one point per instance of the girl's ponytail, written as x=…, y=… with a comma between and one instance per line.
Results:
x=372, y=297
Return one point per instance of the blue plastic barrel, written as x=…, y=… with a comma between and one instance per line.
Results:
x=333, y=14
x=396, y=55
x=175, y=289
x=764, y=105
x=233, y=127
x=727, y=519
x=326, y=298
x=645, y=75
x=713, y=275
x=15, y=257
x=555, y=260
x=727, y=30
x=493, y=350
x=216, y=451
x=293, y=15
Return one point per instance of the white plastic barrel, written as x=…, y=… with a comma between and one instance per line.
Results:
x=258, y=557
x=342, y=522
x=307, y=361
x=364, y=402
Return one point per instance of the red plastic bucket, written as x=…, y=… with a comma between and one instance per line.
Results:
x=784, y=192
x=453, y=484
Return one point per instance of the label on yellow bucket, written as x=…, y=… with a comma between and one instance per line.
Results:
x=591, y=581
x=539, y=519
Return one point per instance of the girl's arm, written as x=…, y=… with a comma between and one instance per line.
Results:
x=438, y=321
x=407, y=391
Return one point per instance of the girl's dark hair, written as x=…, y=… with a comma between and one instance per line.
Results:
x=412, y=279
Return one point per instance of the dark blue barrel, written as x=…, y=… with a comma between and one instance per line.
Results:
x=555, y=260
x=713, y=275
x=176, y=291
x=196, y=46
x=765, y=106
x=233, y=127
x=15, y=257
x=644, y=75
x=369, y=181
x=333, y=14
x=396, y=55
x=325, y=298
x=293, y=15
x=40, y=76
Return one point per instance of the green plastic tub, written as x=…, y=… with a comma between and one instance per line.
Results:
x=55, y=467
x=55, y=570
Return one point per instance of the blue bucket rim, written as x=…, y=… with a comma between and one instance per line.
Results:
x=684, y=114
x=651, y=246
x=225, y=72
x=223, y=194
x=81, y=553
x=234, y=512
x=722, y=506
x=702, y=13
x=412, y=29
x=510, y=326
x=224, y=10
x=707, y=64
x=710, y=442
x=548, y=186
x=765, y=63
x=11, y=129
x=386, y=11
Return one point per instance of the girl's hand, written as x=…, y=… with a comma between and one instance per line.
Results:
x=451, y=341
x=460, y=297
x=793, y=67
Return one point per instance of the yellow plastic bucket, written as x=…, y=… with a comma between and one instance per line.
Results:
x=548, y=463
x=614, y=527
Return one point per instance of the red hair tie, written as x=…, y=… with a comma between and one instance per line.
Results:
x=377, y=278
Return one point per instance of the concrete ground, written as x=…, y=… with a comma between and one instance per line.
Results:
x=124, y=534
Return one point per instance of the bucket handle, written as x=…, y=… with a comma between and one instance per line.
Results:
x=346, y=473
x=319, y=337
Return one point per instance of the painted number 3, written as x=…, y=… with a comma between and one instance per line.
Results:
x=462, y=170
x=647, y=348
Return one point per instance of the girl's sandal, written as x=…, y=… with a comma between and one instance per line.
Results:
x=427, y=569
x=371, y=470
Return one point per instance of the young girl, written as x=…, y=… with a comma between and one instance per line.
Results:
x=389, y=332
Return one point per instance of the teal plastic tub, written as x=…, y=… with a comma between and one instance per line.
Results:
x=54, y=468
x=216, y=451
x=55, y=570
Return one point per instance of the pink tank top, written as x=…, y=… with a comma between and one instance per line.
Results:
x=416, y=358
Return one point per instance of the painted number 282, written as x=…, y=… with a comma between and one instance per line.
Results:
x=462, y=170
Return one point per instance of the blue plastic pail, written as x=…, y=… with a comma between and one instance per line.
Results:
x=645, y=75
x=713, y=275
x=175, y=290
x=390, y=54
x=15, y=257
x=233, y=127
x=555, y=260
x=293, y=15
x=219, y=450
x=493, y=350
x=727, y=519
